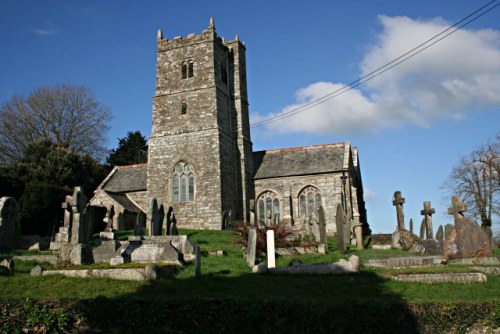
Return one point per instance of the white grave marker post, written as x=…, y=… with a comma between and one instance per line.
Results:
x=271, y=261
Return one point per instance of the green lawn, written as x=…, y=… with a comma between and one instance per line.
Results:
x=228, y=297
x=229, y=277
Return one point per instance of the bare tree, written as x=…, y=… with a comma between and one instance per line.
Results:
x=65, y=114
x=476, y=180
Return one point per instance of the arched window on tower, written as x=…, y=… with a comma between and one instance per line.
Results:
x=187, y=69
x=268, y=208
x=309, y=201
x=183, y=185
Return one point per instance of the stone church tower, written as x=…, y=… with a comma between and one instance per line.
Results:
x=200, y=152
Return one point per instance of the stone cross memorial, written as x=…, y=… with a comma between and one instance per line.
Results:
x=427, y=212
x=398, y=202
x=457, y=208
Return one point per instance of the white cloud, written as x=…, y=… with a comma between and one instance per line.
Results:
x=45, y=31
x=459, y=73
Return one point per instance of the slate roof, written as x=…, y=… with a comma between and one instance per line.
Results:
x=300, y=160
x=125, y=202
x=127, y=179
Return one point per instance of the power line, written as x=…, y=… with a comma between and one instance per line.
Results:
x=393, y=63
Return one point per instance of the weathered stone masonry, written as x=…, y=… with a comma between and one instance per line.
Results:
x=201, y=160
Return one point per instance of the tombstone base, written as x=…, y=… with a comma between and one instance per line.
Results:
x=76, y=254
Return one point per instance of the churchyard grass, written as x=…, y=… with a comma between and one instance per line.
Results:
x=229, y=277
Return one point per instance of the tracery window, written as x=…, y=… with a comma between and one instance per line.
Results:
x=187, y=69
x=309, y=201
x=268, y=208
x=183, y=183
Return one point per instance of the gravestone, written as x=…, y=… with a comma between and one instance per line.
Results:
x=79, y=228
x=271, y=260
x=398, y=202
x=140, y=224
x=251, y=246
x=447, y=230
x=77, y=251
x=427, y=212
x=340, y=222
x=63, y=235
x=252, y=212
x=440, y=233
x=197, y=261
x=174, y=229
x=322, y=225
x=466, y=238
x=161, y=218
x=8, y=211
x=170, y=215
x=411, y=225
x=315, y=227
x=153, y=217
x=423, y=231
x=108, y=219
x=358, y=233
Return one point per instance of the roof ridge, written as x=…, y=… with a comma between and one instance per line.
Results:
x=132, y=166
x=300, y=148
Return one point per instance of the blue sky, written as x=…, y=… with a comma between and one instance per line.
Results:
x=411, y=124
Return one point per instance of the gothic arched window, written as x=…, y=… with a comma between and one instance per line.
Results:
x=187, y=69
x=309, y=201
x=183, y=183
x=268, y=208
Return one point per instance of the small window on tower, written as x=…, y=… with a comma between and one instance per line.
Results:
x=190, y=69
x=183, y=107
x=184, y=70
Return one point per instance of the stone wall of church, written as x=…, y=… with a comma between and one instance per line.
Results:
x=201, y=152
x=289, y=190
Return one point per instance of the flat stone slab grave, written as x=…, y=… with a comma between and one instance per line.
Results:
x=335, y=268
x=442, y=278
x=129, y=274
x=406, y=262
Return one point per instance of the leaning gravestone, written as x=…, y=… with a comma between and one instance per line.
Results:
x=8, y=211
x=340, y=222
x=466, y=238
x=398, y=202
x=422, y=230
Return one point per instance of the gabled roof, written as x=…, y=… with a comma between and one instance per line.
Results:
x=124, y=179
x=125, y=202
x=297, y=161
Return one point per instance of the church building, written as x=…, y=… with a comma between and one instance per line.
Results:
x=200, y=156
